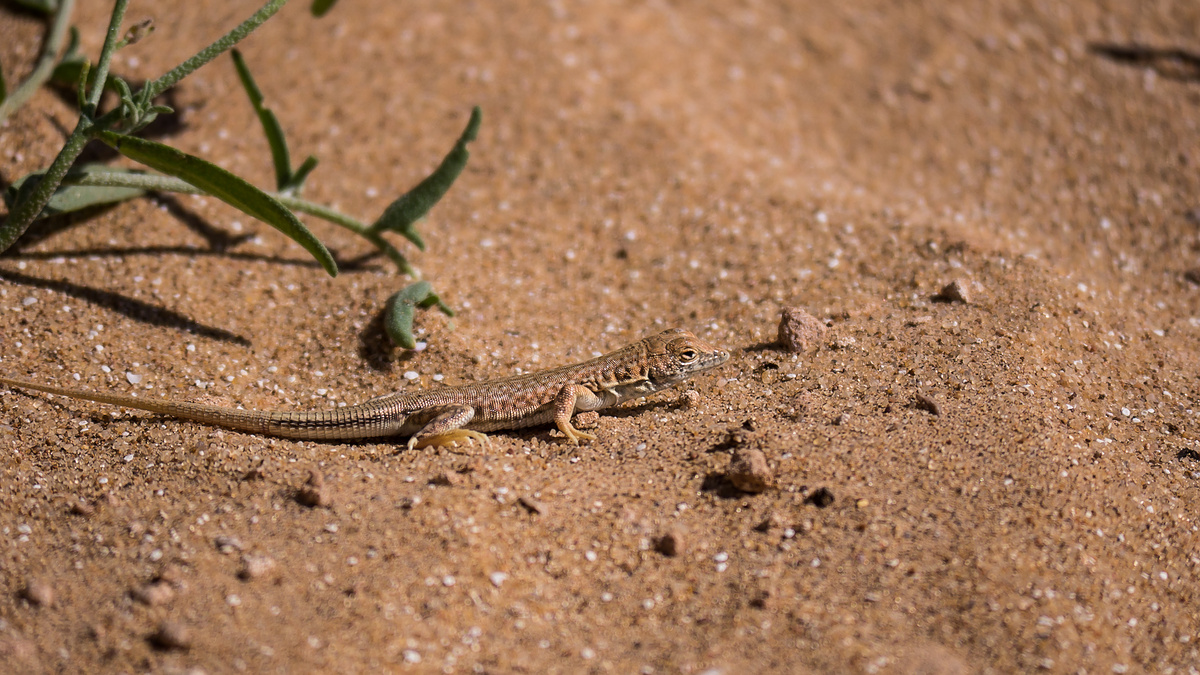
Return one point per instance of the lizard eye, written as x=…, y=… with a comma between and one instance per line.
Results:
x=688, y=355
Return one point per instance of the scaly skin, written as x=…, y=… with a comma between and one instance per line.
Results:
x=449, y=414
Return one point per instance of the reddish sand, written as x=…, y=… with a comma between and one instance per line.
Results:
x=1003, y=485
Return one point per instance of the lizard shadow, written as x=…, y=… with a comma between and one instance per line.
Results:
x=126, y=306
x=640, y=408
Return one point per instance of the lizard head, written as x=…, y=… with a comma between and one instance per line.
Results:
x=676, y=355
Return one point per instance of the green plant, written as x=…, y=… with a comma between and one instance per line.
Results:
x=64, y=186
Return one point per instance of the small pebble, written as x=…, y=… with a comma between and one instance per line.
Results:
x=256, y=567
x=672, y=543
x=154, y=593
x=589, y=419
x=760, y=599
x=227, y=544
x=170, y=574
x=770, y=521
x=844, y=342
x=313, y=493
x=740, y=435
x=749, y=472
x=928, y=404
x=955, y=291
x=38, y=593
x=690, y=399
x=532, y=505
x=171, y=636
x=799, y=331
x=447, y=478
x=1193, y=275
x=820, y=498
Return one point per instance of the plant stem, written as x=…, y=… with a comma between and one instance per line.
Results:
x=155, y=87
x=355, y=226
x=111, y=38
x=158, y=183
x=29, y=206
x=26, y=210
x=46, y=62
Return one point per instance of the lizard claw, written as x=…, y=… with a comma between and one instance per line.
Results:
x=574, y=435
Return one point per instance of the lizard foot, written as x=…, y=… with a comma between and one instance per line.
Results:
x=575, y=435
x=450, y=438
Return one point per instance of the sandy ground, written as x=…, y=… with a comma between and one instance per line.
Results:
x=1001, y=485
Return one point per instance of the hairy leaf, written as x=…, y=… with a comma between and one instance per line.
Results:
x=300, y=175
x=402, y=214
x=270, y=123
x=223, y=185
x=401, y=307
x=68, y=198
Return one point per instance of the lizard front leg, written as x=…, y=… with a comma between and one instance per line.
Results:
x=445, y=427
x=570, y=398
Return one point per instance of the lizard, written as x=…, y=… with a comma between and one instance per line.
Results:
x=446, y=415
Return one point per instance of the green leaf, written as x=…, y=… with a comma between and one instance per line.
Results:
x=223, y=44
x=248, y=83
x=321, y=7
x=223, y=185
x=68, y=198
x=297, y=181
x=270, y=123
x=402, y=214
x=401, y=307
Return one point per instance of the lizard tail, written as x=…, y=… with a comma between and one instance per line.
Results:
x=338, y=423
